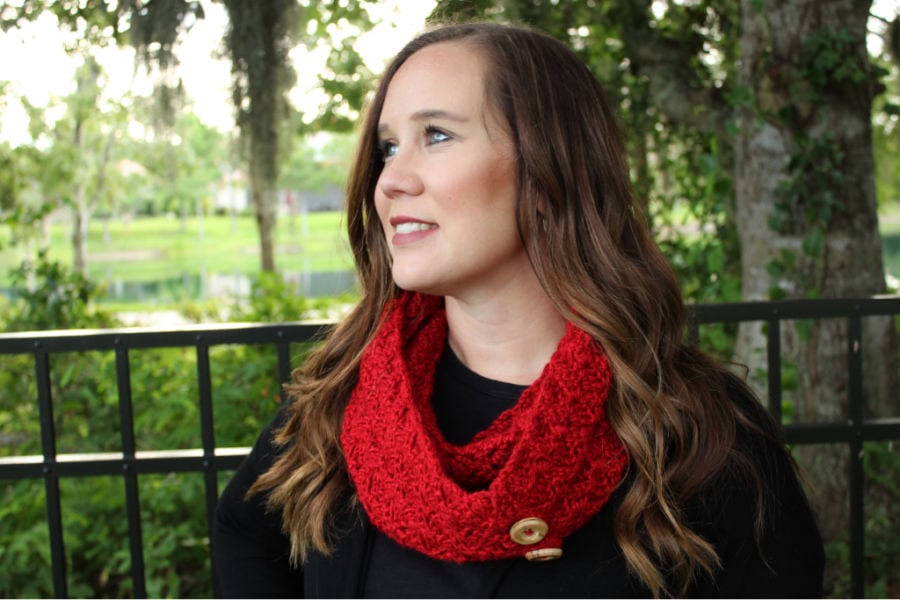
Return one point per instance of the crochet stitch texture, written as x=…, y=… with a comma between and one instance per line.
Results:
x=552, y=456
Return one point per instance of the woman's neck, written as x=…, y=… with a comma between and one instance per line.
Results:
x=507, y=338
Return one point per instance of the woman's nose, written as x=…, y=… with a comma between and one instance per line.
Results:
x=400, y=177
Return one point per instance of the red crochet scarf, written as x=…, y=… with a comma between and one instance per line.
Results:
x=537, y=474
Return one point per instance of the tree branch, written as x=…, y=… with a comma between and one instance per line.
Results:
x=674, y=86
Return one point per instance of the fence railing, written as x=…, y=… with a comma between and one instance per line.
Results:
x=209, y=459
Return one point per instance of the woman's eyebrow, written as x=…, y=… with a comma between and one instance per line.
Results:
x=426, y=114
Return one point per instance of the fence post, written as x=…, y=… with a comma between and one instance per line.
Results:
x=132, y=493
x=51, y=478
x=208, y=436
x=856, y=475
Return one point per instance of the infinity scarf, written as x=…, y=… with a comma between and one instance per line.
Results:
x=539, y=472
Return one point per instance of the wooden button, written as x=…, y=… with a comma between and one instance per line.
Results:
x=528, y=531
x=544, y=554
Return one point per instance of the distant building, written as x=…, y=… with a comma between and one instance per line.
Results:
x=233, y=196
x=330, y=197
x=232, y=193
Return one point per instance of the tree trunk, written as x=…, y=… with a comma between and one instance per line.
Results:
x=79, y=220
x=84, y=203
x=804, y=156
x=198, y=207
x=44, y=234
x=79, y=231
x=264, y=202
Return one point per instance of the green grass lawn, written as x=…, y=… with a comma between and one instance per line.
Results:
x=161, y=248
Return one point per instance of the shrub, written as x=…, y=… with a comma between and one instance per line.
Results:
x=85, y=402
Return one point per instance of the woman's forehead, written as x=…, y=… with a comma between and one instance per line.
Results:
x=446, y=76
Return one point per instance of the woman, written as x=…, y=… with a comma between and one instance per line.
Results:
x=510, y=409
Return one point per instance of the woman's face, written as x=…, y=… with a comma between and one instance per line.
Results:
x=446, y=196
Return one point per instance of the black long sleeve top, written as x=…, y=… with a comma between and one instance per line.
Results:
x=251, y=551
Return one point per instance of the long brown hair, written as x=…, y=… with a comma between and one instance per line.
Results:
x=591, y=249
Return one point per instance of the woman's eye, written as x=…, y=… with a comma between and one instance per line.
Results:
x=435, y=136
x=388, y=149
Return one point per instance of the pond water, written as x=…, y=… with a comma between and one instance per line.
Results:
x=206, y=286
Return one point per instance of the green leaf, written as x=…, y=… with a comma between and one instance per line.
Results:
x=741, y=96
x=715, y=260
x=814, y=242
x=776, y=293
x=775, y=268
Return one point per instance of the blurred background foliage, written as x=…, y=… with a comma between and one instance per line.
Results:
x=246, y=395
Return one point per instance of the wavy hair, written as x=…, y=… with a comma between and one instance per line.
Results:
x=591, y=249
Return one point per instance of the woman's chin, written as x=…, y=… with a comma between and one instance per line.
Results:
x=417, y=283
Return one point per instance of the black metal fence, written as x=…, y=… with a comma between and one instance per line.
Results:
x=209, y=460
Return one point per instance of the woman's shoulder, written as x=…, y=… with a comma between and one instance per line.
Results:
x=759, y=459
x=250, y=549
x=760, y=453
x=756, y=513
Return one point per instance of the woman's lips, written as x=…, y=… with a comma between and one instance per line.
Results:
x=408, y=231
